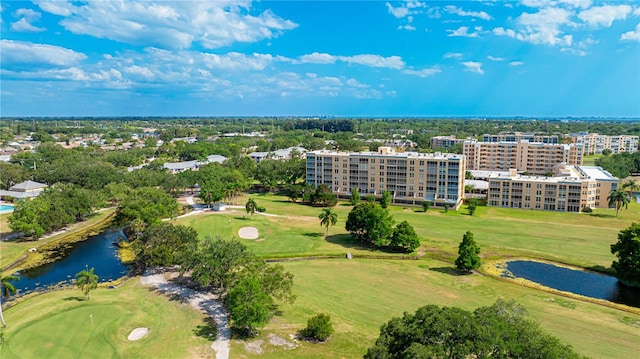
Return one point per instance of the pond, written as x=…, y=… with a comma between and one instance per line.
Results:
x=588, y=284
x=97, y=251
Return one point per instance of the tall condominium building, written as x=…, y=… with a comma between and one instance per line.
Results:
x=524, y=156
x=595, y=143
x=570, y=190
x=519, y=136
x=410, y=177
x=437, y=142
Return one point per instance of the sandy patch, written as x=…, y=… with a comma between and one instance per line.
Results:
x=254, y=347
x=138, y=333
x=281, y=342
x=248, y=233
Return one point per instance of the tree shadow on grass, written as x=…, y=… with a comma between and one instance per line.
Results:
x=348, y=241
x=77, y=299
x=602, y=215
x=313, y=234
x=448, y=270
x=207, y=329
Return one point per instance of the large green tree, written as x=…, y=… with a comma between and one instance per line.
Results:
x=249, y=305
x=370, y=223
x=328, y=217
x=87, y=281
x=468, y=254
x=355, y=196
x=404, y=237
x=8, y=289
x=627, y=249
x=147, y=204
x=163, y=244
x=385, y=200
x=618, y=199
x=498, y=331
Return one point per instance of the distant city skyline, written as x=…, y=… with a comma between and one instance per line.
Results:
x=531, y=58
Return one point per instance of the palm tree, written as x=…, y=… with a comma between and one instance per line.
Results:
x=251, y=206
x=328, y=217
x=630, y=186
x=86, y=280
x=8, y=289
x=619, y=199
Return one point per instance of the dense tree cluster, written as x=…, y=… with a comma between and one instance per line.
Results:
x=372, y=224
x=56, y=207
x=498, y=331
x=620, y=165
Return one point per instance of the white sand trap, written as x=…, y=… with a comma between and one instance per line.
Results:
x=138, y=333
x=248, y=233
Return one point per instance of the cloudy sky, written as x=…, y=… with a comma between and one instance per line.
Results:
x=535, y=58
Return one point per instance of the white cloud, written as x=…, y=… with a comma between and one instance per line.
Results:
x=516, y=63
x=398, y=12
x=318, y=58
x=462, y=31
x=422, y=73
x=175, y=25
x=23, y=25
x=473, y=66
x=407, y=27
x=21, y=52
x=493, y=58
x=584, y=4
x=633, y=35
x=604, y=16
x=542, y=27
x=458, y=11
x=452, y=55
x=412, y=4
x=392, y=62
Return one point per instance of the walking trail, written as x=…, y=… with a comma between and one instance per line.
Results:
x=203, y=301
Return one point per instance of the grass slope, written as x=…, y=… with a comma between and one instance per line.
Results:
x=361, y=295
x=58, y=325
x=575, y=238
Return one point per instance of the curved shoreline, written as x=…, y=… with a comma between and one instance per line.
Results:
x=493, y=269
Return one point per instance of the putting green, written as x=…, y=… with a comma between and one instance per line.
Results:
x=59, y=325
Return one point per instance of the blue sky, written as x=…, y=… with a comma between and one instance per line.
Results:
x=533, y=58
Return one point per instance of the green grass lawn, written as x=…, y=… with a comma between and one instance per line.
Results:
x=590, y=160
x=360, y=295
x=575, y=238
x=58, y=325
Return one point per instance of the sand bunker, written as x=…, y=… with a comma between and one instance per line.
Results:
x=138, y=333
x=248, y=233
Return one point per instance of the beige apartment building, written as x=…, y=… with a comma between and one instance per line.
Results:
x=523, y=156
x=595, y=143
x=410, y=177
x=571, y=189
x=519, y=136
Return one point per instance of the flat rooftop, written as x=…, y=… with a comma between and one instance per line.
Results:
x=408, y=154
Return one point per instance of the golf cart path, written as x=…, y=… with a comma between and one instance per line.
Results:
x=206, y=302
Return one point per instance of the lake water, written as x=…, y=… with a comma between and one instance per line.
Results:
x=97, y=251
x=588, y=284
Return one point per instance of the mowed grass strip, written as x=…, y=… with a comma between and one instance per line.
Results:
x=575, y=238
x=58, y=325
x=360, y=295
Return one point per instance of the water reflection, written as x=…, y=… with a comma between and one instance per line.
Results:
x=588, y=284
x=97, y=251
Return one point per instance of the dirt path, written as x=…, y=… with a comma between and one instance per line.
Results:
x=206, y=302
